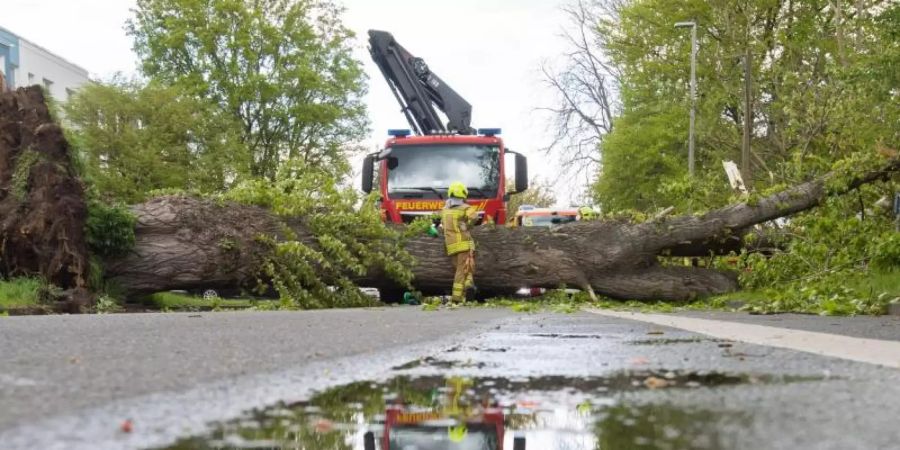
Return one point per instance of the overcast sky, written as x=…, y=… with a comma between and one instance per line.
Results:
x=489, y=51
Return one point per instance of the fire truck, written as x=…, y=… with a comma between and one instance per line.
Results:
x=457, y=424
x=417, y=165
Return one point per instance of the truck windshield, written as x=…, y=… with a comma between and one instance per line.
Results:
x=438, y=438
x=426, y=171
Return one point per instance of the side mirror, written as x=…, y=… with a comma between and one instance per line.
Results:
x=521, y=173
x=368, y=173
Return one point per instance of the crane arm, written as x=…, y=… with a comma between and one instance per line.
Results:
x=418, y=90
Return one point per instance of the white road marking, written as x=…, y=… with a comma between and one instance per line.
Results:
x=872, y=351
x=9, y=380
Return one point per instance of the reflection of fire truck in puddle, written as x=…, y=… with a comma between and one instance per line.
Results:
x=455, y=424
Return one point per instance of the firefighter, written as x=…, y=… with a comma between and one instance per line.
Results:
x=586, y=213
x=456, y=218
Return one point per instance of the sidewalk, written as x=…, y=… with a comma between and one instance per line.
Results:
x=870, y=327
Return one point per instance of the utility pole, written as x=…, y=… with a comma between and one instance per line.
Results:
x=748, y=120
x=693, y=26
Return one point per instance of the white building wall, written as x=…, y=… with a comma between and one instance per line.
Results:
x=39, y=66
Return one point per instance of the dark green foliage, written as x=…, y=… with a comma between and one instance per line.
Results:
x=134, y=138
x=823, y=93
x=109, y=229
x=824, y=99
x=282, y=69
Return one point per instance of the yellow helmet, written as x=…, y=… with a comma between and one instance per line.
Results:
x=458, y=190
x=587, y=213
x=458, y=433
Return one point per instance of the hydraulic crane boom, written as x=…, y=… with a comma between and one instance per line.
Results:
x=418, y=89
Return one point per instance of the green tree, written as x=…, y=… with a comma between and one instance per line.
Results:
x=812, y=89
x=282, y=68
x=539, y=194
x=823, y=98
x=647, y=143
x=135, y=138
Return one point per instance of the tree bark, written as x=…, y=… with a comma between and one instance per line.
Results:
x=186, y=243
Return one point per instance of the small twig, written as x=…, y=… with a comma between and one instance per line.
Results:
x=587, y=287
x=665, y=212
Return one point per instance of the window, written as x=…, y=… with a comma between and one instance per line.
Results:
x=30, y=78
x=69, y=93
x=47, y=84
x=477, y=437
x=425, y=171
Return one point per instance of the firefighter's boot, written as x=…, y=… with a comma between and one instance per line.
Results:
x=471, y=293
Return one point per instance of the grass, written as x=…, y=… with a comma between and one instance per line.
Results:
x=747, y=296
x=862, y=293
x=175, y=301
x=20, y=293
x=877, y=282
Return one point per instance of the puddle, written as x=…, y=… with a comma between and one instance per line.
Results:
x=441, y=364
x=568, y=336
x=544, y=413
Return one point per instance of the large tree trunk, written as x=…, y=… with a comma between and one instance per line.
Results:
x=188, y=243
x=181, y=243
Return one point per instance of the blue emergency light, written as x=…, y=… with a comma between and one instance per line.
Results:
x=489, y=131
x=399, y=132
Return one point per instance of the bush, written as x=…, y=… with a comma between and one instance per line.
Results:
x=836, y=262
x=109, y=229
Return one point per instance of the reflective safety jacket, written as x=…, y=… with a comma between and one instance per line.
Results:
x=456, y=220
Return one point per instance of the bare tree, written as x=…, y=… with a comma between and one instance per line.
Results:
x=586, y=88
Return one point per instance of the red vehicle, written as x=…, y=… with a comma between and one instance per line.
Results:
x=414, y=172
x=452, y=426
x=429, y=431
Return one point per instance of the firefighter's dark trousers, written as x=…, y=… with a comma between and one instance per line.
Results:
x=464, y=264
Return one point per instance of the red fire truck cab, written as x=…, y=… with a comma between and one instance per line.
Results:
x=414, y=173
x=429, y=430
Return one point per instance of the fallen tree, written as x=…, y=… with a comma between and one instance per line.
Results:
x=179, y=246
x=186, y=242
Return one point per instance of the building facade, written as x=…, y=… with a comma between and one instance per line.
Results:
x=24, y=63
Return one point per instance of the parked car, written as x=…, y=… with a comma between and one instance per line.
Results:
x=528, y=216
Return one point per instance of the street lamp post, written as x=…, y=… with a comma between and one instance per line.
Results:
x=693, y=26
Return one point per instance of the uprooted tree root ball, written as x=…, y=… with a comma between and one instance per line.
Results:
x=42, y=203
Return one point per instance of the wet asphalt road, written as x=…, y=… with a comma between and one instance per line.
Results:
x=70, y=381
